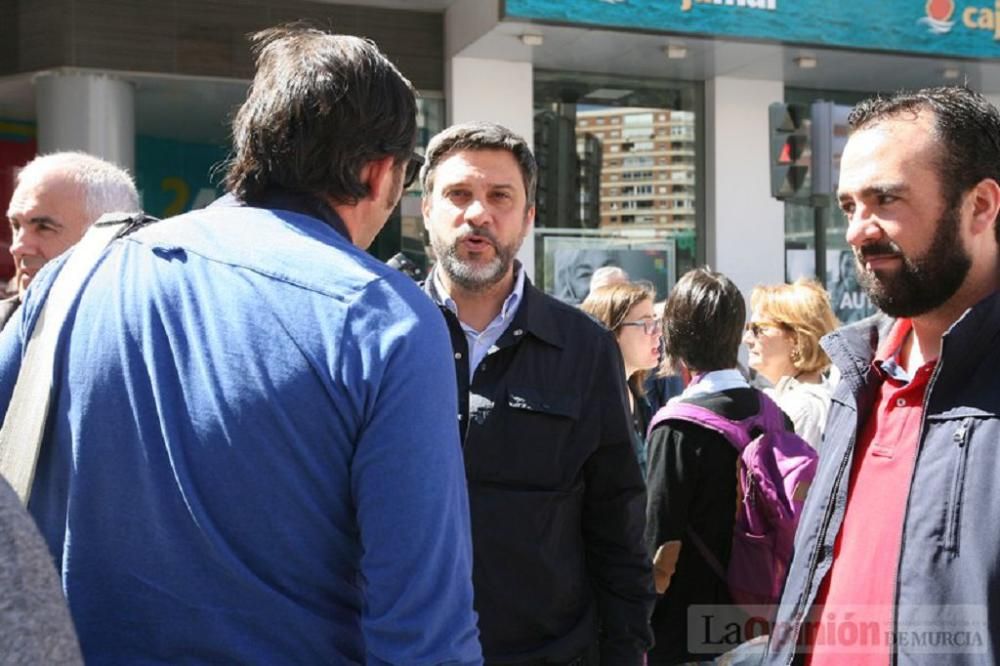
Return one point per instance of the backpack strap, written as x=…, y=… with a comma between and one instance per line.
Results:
x=772, y=418
x=737, y=432
x=27, y=413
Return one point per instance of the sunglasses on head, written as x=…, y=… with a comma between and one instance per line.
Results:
x=413, y=169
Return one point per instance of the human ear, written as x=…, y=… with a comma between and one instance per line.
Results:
x=377, y=176
x=985, y=205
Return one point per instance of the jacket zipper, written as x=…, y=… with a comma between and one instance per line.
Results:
x=961, y=439
x=824, y=527
x=893, y=654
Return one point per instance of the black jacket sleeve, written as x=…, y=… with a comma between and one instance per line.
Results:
x=671, y=479
x=613, y=521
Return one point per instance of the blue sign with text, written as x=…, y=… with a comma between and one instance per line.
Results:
x=937, y=27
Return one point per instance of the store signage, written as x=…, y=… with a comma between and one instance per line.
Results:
x=969, y=28
x=686, y=5
x=175, y=176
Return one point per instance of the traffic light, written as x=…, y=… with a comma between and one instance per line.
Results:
x=829, y=131
x=791, y=151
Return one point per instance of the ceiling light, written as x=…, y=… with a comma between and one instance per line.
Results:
x=529, y=39
x=608, y=93
x=675, y=51
x=951, y=72
x=805, y=62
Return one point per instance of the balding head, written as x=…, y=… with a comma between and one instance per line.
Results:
x=605, y=276
x=56, y=198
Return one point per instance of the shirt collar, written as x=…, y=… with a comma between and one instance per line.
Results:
x=440, y=294
x=294, y=202
x=886, y=362
x=536, y=313
x=716, y=382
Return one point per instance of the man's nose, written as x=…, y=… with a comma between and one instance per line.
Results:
x=862, y=228
x=18, y=246
x=25, y=251
x=476, y=213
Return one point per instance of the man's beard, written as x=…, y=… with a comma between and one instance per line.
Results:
x=472, y=276
x=921, y=284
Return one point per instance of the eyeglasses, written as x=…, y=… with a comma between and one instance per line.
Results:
x=413, y=169
x=755, y=328
x=649, y=326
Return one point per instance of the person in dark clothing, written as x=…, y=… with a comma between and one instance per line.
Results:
x=660, y=388
x=556, y=497
x=626, y=309
x=909, y=466
x=691, y=477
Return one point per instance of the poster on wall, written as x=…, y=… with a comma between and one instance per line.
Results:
x=848, y=298
x=571, y=261
x=176, y=176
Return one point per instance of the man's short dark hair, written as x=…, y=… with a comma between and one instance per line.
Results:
x=480, y=136
x=321, y=106
x=703, y=321
x=965, y=123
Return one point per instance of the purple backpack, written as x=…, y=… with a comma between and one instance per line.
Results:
x=774, y=472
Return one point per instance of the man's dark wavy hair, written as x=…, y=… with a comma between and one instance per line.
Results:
x=966, y=126
x=480, y=135
x=320, y=107
x=703, y=321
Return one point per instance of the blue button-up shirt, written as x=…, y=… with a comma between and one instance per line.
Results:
x=252, y=454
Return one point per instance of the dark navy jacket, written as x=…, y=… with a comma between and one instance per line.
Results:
x=948, y=575
x=555, y=492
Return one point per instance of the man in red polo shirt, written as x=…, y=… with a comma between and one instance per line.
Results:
x=894, y=560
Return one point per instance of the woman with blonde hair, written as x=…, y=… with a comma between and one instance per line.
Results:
x=786, y=323
x=626, y=309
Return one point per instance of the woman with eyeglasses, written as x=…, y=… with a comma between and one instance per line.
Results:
x=627, y=311
x=786, y=323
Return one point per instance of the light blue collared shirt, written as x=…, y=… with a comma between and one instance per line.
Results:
x=482, y=343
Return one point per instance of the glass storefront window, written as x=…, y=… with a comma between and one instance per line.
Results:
x=617, y=186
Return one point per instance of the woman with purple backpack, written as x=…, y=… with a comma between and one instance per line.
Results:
x=725, y=483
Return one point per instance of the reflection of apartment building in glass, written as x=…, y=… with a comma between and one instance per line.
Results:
x=589, y=153
x=648, y=166
x=555, y=150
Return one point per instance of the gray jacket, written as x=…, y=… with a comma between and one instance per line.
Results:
x=35, y=626
x=947, y=606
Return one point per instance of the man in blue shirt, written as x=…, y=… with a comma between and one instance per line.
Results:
x=252, y=454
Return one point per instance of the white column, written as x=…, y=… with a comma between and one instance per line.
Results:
x=496, y=90
x=499, y=91
x=89, y=112
x=745, y=230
